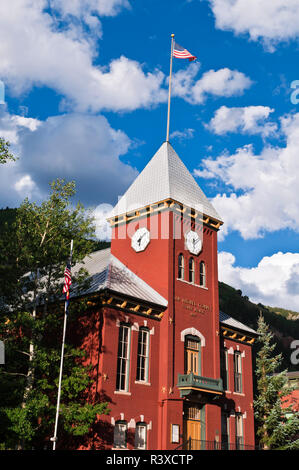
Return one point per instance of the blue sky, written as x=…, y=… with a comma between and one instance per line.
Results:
x=86, y=99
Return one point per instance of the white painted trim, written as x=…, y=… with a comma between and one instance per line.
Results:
x=193, y=331
x=132, y=423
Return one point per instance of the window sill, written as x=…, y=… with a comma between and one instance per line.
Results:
x=239, y=393
x=119, y=448
x=192, y=283
x=140, y=382
x=120, y=392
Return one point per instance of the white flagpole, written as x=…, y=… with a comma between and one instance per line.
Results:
x=169, y=88
x=54, y=438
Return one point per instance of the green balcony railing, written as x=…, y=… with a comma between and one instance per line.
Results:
x=191, y=382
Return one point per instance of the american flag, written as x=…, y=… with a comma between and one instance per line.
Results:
x=67, y=281
x=180, y=53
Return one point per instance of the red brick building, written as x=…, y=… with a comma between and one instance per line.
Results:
x=176, y=371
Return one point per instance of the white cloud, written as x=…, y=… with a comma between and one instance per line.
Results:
x=80, y=8
x=183, y=135
x=270, y=20
x=11, y=125
x=262, y=188
x=25, y=186
x=246, y=120
x=62, y=58
x=100, y=214
x=75, y=146
x=274, y=281
x=222, y=82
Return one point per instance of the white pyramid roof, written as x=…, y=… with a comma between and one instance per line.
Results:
x=164, y=177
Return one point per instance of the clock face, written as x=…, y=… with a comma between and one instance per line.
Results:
x=140, y=239
x=193, y=242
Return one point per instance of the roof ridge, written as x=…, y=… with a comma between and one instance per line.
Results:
x=165, y=176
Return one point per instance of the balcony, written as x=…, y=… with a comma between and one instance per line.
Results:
x=188, y=383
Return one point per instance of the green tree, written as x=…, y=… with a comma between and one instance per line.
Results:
x=5, y=155
x=33, y=254
x=277, y=426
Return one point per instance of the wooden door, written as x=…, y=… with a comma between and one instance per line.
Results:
x=192, y=428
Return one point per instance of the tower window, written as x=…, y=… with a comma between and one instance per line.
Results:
x=191, y=271
x=181, y=266
x=202, y=274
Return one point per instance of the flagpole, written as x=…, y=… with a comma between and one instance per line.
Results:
x=169, y=88
x=54, y=438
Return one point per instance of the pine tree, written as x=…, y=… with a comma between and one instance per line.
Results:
x=277, y=426
x=33, y=253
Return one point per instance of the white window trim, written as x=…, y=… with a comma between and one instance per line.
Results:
x=194, y=332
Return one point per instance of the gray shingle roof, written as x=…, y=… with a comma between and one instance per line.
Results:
x=107, y=272
x=229, y=321
x=164, y=177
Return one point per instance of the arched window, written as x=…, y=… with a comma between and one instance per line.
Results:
x=191, y=271
x=192, y=355
x=181, y=266
x=202, y=274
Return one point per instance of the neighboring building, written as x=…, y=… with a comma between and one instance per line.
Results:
x=176, y=371
x=292, y=399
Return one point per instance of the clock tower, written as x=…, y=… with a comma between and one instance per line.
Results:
x=164, y=229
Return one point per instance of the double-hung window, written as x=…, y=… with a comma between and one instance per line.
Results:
x=143, y=355
x=239, y=431
x=120, y=435
x=224, y=431
x=123, y=358
x=238, y=371
x=224, y=368
x=140, y=436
